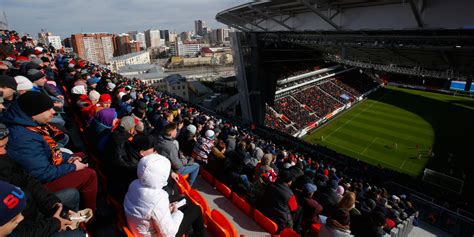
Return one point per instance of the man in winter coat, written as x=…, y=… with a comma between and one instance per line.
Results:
x=279, y=202
x=166, y=146
x=33, y=146
x=39, y=213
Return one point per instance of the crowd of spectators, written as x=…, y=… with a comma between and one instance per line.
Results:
x=143, y=138
x=317, y=100
x=292, y=109
x=336, y=92
x=272, y=121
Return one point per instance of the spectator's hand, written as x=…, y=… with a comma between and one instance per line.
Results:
x=74, y=158
x=3, y=67
x=79, y=165
x=58, y=104
x=173, y=207
x=64, y=222
x=175, y=177
x=60, y=97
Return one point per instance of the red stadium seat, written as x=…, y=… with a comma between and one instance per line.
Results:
x=224, y=223
x=223, y=189
x=214, y=228
x=243, y=205
x=288, y=232
x=265, y=222
x=183, y=185
x=199, y=200
x=127, y=232
x=207, y=176
x=315, y=228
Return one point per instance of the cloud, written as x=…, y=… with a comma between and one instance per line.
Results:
x=74, y=16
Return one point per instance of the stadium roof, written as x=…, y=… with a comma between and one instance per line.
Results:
x=299, y=15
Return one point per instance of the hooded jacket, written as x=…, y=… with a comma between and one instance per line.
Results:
x=146, y=204
x=29, y=149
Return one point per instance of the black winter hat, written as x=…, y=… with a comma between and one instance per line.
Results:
x=34, y=103
x=8, y=81
x=34, y=75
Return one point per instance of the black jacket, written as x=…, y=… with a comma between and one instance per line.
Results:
x=40, y=204
x=275, y=204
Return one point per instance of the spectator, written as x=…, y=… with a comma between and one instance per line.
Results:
x=147, y=206
x=187, y=140
x=203, y=147
x=13, y=203
x=124, y=106
x=337, y=225
x=8, y=87
x=33, y=146
x=179, y=163
x=101, y=127
x=311, y=208
x=280, y=203
x=328, y=198
x=41, y=204
x=23, y=84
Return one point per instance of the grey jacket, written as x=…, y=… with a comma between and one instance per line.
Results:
x=166, y=147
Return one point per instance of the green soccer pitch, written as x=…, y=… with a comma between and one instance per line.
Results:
x=396, y=128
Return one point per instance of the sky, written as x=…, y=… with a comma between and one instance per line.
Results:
x=66, y=17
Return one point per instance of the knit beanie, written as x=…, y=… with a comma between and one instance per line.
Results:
x=23, y=84
x=94, y=95
x=8, y=81
x=127, y=122
x=34, y=103
x=13, y=202
x=105, y=98
x=34, y=75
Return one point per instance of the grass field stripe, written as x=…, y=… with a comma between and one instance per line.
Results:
x=344, y=124
x=370, y=158
x=368, y=146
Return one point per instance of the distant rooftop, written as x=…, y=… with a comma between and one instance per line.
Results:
x=136, y=68
x=127, y=56
x=175, y=78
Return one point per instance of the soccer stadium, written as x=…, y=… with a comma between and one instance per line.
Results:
x=355, y=118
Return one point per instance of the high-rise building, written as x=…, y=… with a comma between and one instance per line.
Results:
x=135, y=46
x=95, y=47
x=173, y=37
x=186, y=49
x=185, y=36
x=165, y=35
x=122, y=44
x=198, y=27
x=47, y=38
x=152, y=38
x=140, y=37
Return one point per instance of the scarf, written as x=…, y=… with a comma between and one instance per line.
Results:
x=46, y=131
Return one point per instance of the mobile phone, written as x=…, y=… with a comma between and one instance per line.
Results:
x=181, y=203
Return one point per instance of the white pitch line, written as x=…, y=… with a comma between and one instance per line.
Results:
x=369, y=145
x=357, y=115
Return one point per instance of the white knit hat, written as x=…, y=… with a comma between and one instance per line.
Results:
x=23, y=83
x=94, y=95
x=209, y=134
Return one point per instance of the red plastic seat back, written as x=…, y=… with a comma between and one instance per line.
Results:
x=214, y=228
x=289, y=232
x=315, y=228
x=265, y=222
x=224, y=223
x=207, y=176
x=223, y=189
x=243, y=205
x=199, y=199
x=183, y=185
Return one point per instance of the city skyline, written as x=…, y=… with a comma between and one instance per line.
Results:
x=71, y=17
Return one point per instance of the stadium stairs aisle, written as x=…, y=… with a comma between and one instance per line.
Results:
x=244, y=224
